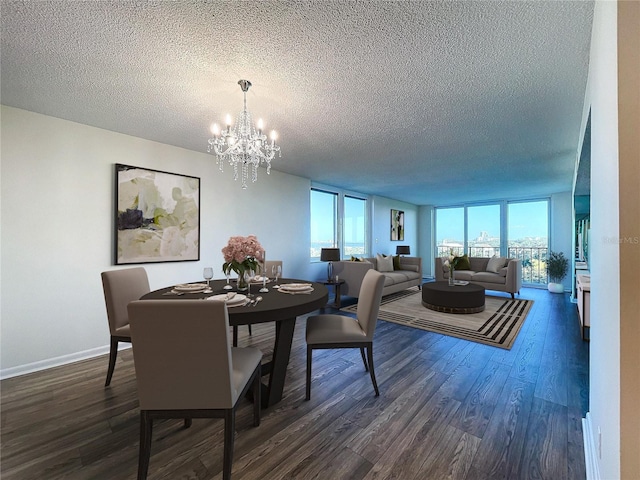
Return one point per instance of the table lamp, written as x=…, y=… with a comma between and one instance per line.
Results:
x=330, y=255
x=403, y=250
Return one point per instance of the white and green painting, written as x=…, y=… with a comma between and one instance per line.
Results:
x=158, y=216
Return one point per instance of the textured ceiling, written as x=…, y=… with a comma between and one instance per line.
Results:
x=427, y=102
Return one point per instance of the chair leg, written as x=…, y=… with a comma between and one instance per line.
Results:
x=146, y=427
x=229, y=434
x=364, y=360
x=113, y=353
x=309, y=355
x=257, y=398
x=235, y=336
x=371, y=372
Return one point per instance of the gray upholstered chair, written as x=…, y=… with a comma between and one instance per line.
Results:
x=121, y=287
x=269, y=264
x=341, y=331
x=186, y=369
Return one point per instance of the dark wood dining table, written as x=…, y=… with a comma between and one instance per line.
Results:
x=281, y=308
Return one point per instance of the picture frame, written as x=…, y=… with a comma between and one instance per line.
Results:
x=157, y=216
x=397, y=225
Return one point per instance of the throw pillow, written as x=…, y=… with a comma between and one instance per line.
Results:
x=396, y=263
x=385, y=264
x=495, y=264
x=463, y=263
x=355, y=259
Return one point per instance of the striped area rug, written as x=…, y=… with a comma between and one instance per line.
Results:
x=497, y=325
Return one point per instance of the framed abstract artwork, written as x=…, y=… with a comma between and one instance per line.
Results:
x=397, y=225
x=157, y=216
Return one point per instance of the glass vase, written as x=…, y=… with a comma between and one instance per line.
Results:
x=452, y=277
x=242, y=284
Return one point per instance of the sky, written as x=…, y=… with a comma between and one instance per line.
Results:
x=525, y=219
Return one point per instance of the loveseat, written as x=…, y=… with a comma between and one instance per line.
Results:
x=408, y=274
x=507, y=278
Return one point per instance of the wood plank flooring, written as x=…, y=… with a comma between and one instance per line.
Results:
x=449, y=409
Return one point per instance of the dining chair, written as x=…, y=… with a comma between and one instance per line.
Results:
x=267, y=271
x=340, y=331
x=186, y=369
x=121, y=287
x=269, y=264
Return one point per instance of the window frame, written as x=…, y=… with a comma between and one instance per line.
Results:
x=339, y=219
x=504, y=222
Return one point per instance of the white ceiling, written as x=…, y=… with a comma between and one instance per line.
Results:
x=429, y=102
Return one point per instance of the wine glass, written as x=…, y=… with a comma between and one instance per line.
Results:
x=248, y=277
x=207, y=273
x=276, y=270
x=227, y=274
x=264, y=281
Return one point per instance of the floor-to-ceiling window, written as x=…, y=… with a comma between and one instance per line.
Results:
x=528, y=238
x=450, y=231
x=324, y=221
x=483, y=230
x=338, y=219
x=354, y=230
x=514, y=229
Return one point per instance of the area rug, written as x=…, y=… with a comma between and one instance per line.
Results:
x=498, y=325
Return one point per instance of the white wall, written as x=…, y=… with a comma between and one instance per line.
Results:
x=561, y=234
x=56, y=230
x=426, y=239
x=381, y=226
x=604, y=402
x=615, y=209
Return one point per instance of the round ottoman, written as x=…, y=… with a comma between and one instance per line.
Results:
x=441, y=297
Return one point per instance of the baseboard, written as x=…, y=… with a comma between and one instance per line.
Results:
x=590, y=449
x=57, y=361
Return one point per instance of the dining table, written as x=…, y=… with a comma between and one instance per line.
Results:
x=279, y=307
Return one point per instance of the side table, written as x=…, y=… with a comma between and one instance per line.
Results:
x=336, y=286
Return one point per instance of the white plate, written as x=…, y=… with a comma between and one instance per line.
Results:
x=238, y=299
x=190, y=287
x=258, y=280
x=295, y=292
x=296, y=287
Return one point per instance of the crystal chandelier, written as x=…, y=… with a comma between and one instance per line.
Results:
x=243, y=145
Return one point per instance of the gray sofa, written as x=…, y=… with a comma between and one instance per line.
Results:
x=508, y=279
x=409, y=275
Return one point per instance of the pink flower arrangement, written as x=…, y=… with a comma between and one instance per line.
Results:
x=242, y=254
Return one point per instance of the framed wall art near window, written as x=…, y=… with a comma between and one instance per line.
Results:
x=157, y=216
x=397, y=225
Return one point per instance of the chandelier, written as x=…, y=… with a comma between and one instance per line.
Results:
x=243, y=145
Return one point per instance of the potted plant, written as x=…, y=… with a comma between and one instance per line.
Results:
x=557, y=266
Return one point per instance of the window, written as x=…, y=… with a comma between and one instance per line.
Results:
x=355, y=211
x=338, y=220
x=449, y=231
x=324, y=216
x=483, y=230
x=479, y=230
x=528, y=237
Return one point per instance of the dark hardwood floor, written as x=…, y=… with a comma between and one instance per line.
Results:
x=448, y=409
